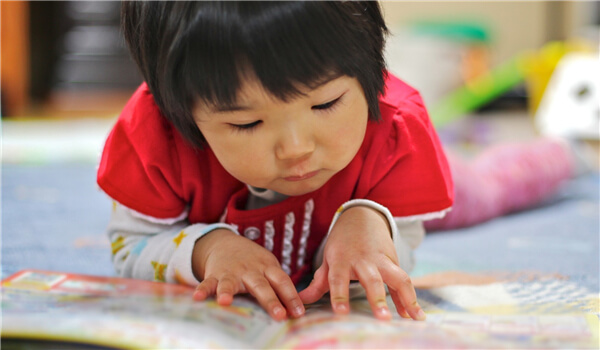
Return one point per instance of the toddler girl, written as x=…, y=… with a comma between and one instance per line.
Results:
x=269, y=143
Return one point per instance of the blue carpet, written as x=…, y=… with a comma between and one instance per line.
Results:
x=54, y=216
x=562, y=236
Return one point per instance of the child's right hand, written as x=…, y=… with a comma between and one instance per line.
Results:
x=229, y=264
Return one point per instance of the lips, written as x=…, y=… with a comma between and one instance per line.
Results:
x=302, y=177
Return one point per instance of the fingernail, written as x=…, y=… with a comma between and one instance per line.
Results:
x=224, y=299
x=421, y=315
x=341, y=308
x=298, y=311
x=383, y=312
x=278, y=311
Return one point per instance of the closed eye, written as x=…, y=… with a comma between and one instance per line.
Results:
x=326, y=105
x=248, y=126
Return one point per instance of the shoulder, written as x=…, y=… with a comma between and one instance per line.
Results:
x=401, y=101
x=142, y=118
x=403, y=117
x=397, y=92
x=142, y=131
x=141, y=162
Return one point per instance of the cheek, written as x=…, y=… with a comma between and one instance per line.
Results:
x=244, y=161
x=229, y=150
x=231, y=157
x=352, y=133
x=344, y=141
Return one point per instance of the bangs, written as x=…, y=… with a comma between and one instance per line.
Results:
x=192, y=52
x=226, y=43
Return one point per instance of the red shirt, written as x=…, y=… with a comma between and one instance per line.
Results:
x=148, y=166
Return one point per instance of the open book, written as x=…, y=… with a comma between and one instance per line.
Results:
x=47, y=306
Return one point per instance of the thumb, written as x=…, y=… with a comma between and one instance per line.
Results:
x=317, y=287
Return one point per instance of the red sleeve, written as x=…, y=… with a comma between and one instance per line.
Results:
x=410, y=173
x=139, y=167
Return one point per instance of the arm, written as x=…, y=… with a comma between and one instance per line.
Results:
x=155, y=249
x=213, y=257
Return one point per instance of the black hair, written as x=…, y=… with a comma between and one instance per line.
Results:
x=199, y=50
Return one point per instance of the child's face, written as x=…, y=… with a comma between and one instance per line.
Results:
x=291, y=147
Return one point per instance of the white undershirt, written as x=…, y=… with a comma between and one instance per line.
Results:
x=262, y=197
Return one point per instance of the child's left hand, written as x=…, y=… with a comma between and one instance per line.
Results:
x=360, y=247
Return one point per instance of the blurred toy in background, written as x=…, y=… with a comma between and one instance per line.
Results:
x=531, y=68
x=570, y=105
x=478, y=92
x=449, y=63
x=540, y=65
x=436, y=57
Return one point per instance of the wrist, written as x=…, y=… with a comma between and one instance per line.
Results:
x=204, y=246
x=368, y=204
x=363, y=212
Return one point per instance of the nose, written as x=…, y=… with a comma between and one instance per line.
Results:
x=295, y=142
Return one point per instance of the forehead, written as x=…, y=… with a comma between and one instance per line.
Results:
x=252, y=92
x=252, y=89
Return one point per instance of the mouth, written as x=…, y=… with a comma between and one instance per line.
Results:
x=302, y=177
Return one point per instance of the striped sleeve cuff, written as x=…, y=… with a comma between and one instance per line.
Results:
x=365, y=203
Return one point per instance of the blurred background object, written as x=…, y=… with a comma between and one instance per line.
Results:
x=14, y=59
x=64, y=58
x=477, y=56
x=570, y=107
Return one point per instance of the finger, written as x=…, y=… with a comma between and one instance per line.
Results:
x=226, y=289
x=205, y=289
x=399, y=281
x=286, y=291
x=259, y=287
x=339, y=288
x=398, y=303
x=317, y=287
x=370, y=278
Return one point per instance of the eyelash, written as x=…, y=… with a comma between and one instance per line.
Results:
x=327, y=107
x=246, y=127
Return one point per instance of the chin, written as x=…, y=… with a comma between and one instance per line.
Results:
x=299, y=189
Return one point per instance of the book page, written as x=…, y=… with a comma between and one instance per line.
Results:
x=321, y=329
x=135, y=314
x=126, y=314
